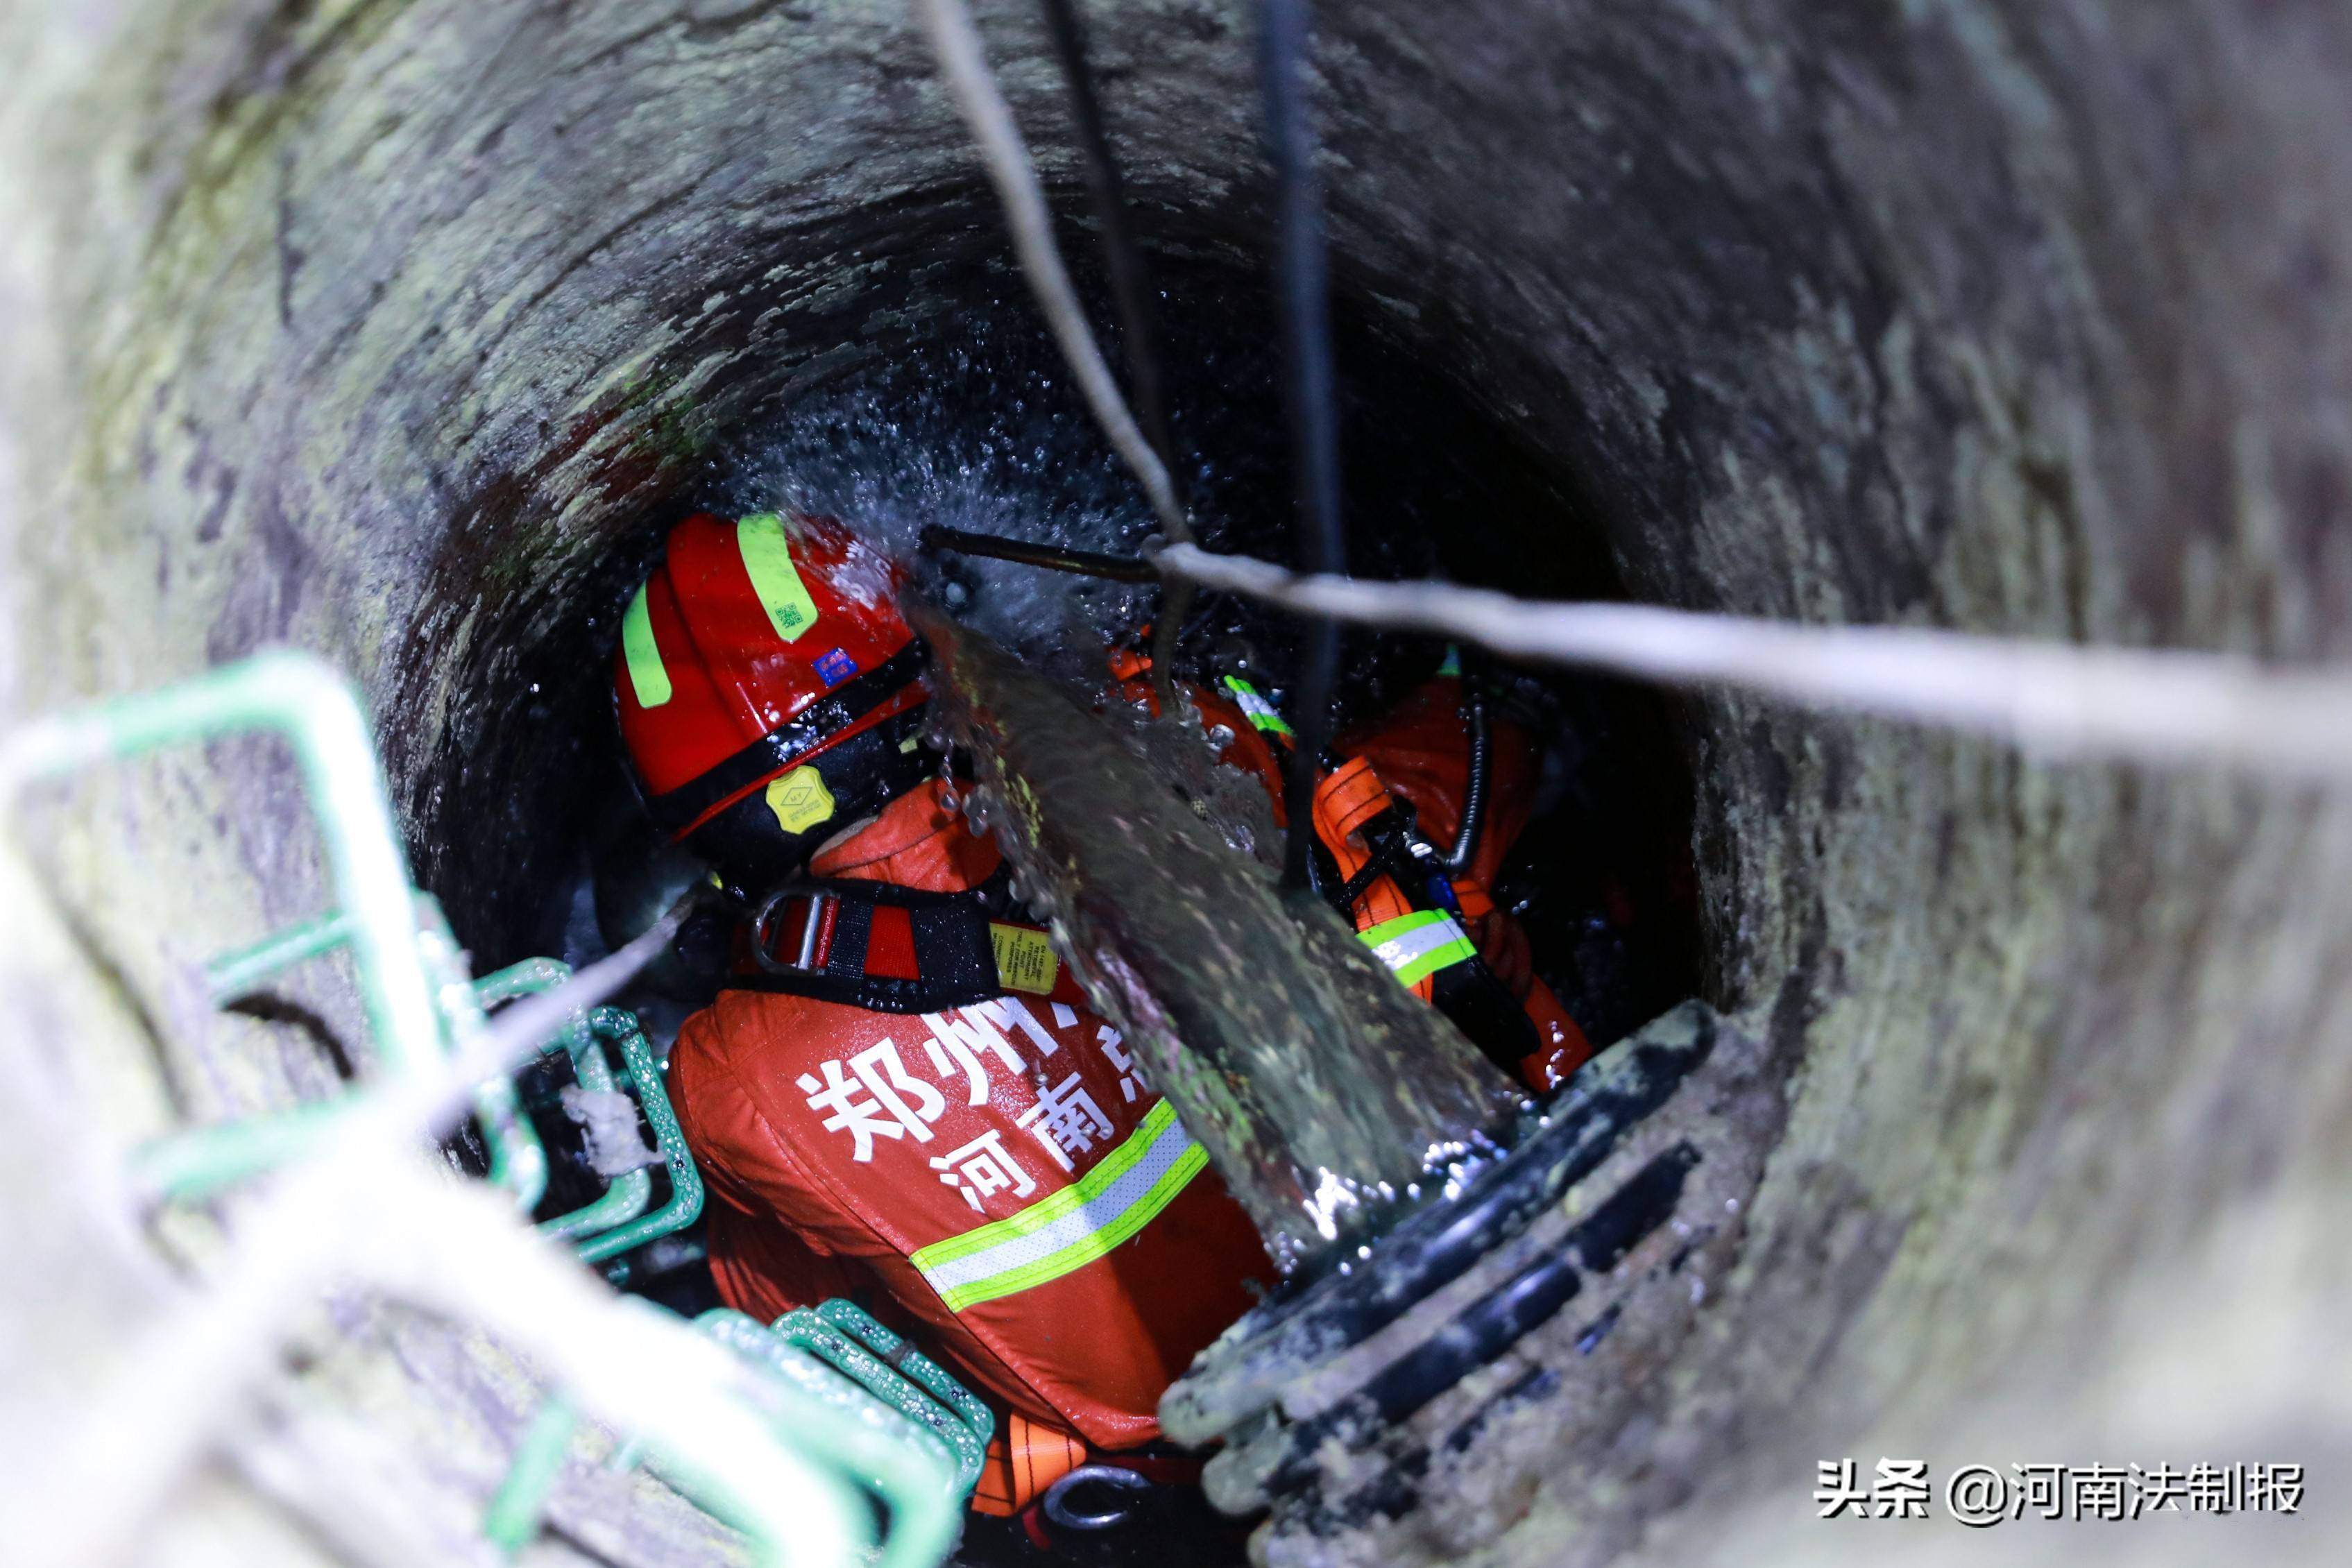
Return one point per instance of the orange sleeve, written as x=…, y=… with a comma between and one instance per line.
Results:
x=1423, y=752
x=1024, y=1460
x=743, y=1158
x=1564, y=1047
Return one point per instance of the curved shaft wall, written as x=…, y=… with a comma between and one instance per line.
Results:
x=378, y=326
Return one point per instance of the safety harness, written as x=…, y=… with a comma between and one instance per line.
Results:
x=1392, y=883
x=888, y=949
x=895, y=950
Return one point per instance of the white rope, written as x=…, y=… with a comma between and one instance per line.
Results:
x=2050, y=698
x=956, y=41
x=2053, y=699
x=366, y=1206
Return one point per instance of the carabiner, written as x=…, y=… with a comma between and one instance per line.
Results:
x=1057, y=1504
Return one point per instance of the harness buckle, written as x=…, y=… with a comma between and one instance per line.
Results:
x=1058, y=1497
x=809, y=959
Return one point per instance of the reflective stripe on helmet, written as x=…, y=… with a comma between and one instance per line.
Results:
x=647, y=676
x=1256, y=709
x=1418, y=945
x=768, y=560
x=1059, y=1234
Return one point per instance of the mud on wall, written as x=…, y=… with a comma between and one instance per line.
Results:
x=377, y=327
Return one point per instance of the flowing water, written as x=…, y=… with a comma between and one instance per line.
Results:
x=972, y=431
x=1325, y=1096
x=1325, y=1093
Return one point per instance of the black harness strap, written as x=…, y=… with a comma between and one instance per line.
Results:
x=955, y=952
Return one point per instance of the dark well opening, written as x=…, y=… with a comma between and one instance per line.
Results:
x=943, y=400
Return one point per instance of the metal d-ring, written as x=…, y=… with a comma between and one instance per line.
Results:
x=761, y=927
x=1057, y=1496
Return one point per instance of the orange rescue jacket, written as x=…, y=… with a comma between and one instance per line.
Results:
x=1002, y=1172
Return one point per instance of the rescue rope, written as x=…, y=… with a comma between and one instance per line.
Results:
x=1303, y=291
x=797, y=1463
x=2053, y=699
x=333, y=1214
x=1131, y=295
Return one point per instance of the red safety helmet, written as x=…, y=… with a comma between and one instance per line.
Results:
x=768, y=691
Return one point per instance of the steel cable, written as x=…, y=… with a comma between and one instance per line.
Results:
x=1130, y=292
x=2055, y=699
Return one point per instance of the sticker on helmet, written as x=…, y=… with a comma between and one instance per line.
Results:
x=836, y=666
x=799, y=799
x=767, y=561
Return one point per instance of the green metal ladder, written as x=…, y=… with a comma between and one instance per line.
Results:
x=909, y=1436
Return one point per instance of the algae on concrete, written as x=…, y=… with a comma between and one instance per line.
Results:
x=2021, y=315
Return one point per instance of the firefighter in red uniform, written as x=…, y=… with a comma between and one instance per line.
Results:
x=900, y=1093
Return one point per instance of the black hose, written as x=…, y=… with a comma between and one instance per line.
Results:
x=1302, y=287
x=1457, y=859
x=1131, y=283
x=1051, y=557
x=1130, y=292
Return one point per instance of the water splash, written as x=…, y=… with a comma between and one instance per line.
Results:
x=977, y=429
x=965, y=416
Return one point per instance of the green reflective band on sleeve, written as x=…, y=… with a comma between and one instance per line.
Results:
x=1257, y=709
x=1453, y=665
x=647, y=676
x=1083, y=1222
x=1417, y=945
x=768, y=558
